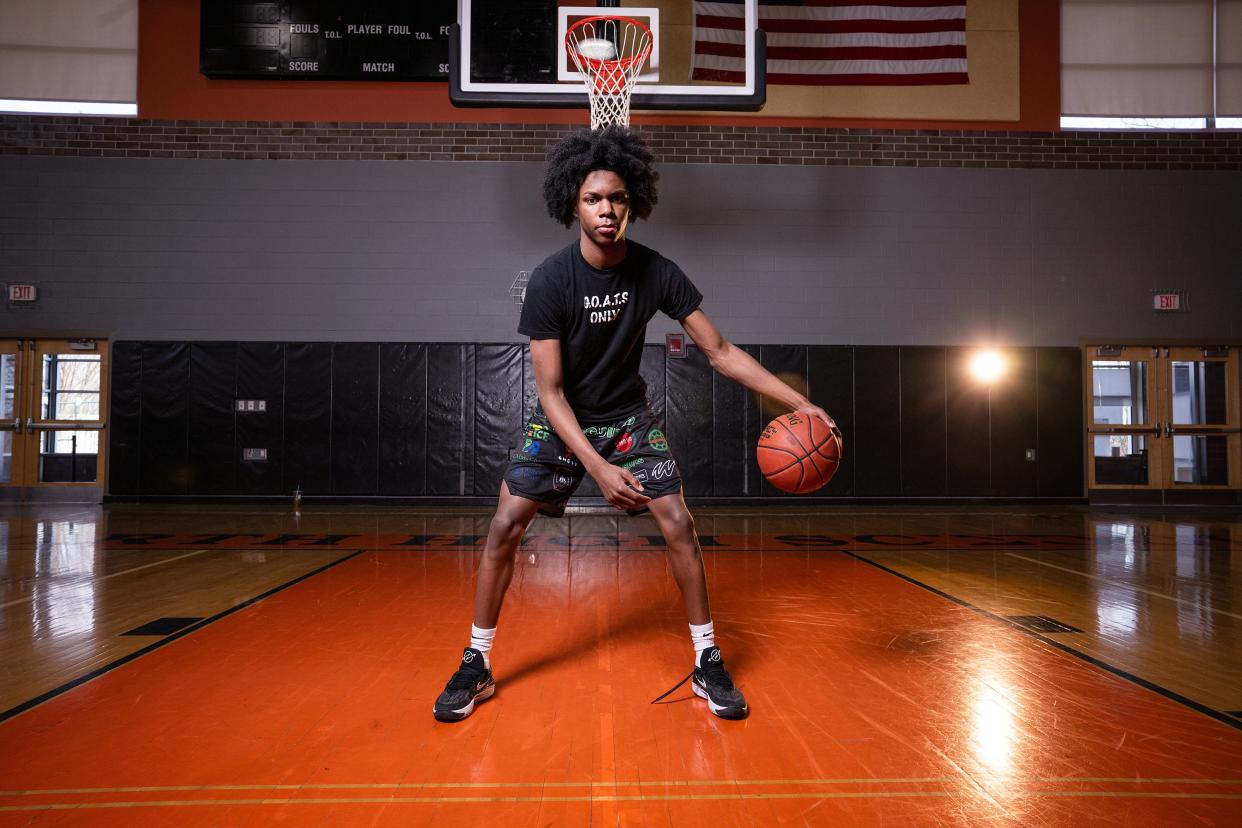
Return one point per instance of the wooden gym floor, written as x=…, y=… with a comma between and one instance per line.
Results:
x=236, y=666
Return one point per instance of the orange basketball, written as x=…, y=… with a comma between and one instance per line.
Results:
x=798, y=453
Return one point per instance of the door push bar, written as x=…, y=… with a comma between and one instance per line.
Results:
x=35, y=425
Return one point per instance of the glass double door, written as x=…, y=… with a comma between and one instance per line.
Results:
x=53, y=400
x=1163, y=418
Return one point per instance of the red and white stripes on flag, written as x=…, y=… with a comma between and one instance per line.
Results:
x=836, y=42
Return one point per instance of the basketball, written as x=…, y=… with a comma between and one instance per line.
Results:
x=798, y=453
x=597, y=48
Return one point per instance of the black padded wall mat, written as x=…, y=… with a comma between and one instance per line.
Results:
x=125, y=419
x=213, y=381
x=402, y=419
x=1014, y=427
x=754, y=419
x=923, y=395
x=260, y=376
x=355, y=419
x=438, y=420
x=498, y=397
x=876, y=441
x=732, y=404
x=688, y=421
x=308, y=418
x=164, y=384
x=1059, y=421
x=830, y=385
x=446, y=428
x=968, y=447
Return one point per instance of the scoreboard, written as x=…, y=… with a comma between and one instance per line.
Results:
x=327, y=39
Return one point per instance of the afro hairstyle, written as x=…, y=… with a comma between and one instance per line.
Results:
x=613, y=148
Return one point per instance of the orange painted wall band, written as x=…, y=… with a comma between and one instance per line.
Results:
x=170, y=87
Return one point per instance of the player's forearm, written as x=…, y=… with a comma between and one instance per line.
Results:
x=743, y=369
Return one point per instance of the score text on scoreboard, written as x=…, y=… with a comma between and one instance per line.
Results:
x=326, y=39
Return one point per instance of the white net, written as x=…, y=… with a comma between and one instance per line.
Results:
x=610, y=53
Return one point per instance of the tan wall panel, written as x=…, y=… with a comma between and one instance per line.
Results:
x=675, y=62
x=992, y=15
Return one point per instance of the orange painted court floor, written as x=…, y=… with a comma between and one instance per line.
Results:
x=875, y=701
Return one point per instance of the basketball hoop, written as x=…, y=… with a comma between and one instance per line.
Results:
x=517, y=290
x=609, y=52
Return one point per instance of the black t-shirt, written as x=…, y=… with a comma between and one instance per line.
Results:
x=600, y=317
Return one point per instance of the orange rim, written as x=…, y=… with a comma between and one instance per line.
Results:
x=598, y=64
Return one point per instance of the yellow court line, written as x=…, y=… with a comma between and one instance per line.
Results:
x=1123, y=585
x=1159, y=780
x=671, y=783
x=423, y=800
x=674, y=783
x=67, y=584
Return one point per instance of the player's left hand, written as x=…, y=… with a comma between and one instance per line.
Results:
x=620, y=487
x=822, y=415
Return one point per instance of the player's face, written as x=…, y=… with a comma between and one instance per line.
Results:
x=603, y=208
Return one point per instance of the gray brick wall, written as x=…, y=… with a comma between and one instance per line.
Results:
x=676, y=143
x=425, y=250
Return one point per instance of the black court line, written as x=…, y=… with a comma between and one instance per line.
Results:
x=1065, y=648
x=94, y=674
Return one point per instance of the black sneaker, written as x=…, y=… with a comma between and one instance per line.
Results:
x=712, y=681
x=471, y=683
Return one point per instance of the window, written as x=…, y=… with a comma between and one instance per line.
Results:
x=71, y=392
x=1151, y=64
x=75, y=57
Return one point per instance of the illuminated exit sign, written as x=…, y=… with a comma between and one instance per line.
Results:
x=22, y=293
x=1167, y=301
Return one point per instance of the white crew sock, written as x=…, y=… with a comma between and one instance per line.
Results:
x=703, y=636
x=481, y=640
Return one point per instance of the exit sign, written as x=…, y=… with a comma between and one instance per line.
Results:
x=22, y=293
x=1166, y=301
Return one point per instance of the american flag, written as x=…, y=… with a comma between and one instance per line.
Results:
x=836, y=42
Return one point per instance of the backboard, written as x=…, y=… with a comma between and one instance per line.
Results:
x=511, y=53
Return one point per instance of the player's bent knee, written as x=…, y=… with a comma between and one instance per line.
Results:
x=506, y=528
x=678, y=528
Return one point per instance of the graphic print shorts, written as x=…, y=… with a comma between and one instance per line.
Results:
x=542, y=468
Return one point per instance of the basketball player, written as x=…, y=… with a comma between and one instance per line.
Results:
x=586, y=312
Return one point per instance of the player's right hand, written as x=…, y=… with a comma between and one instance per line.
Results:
x=620, y=488
x=813, y=410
